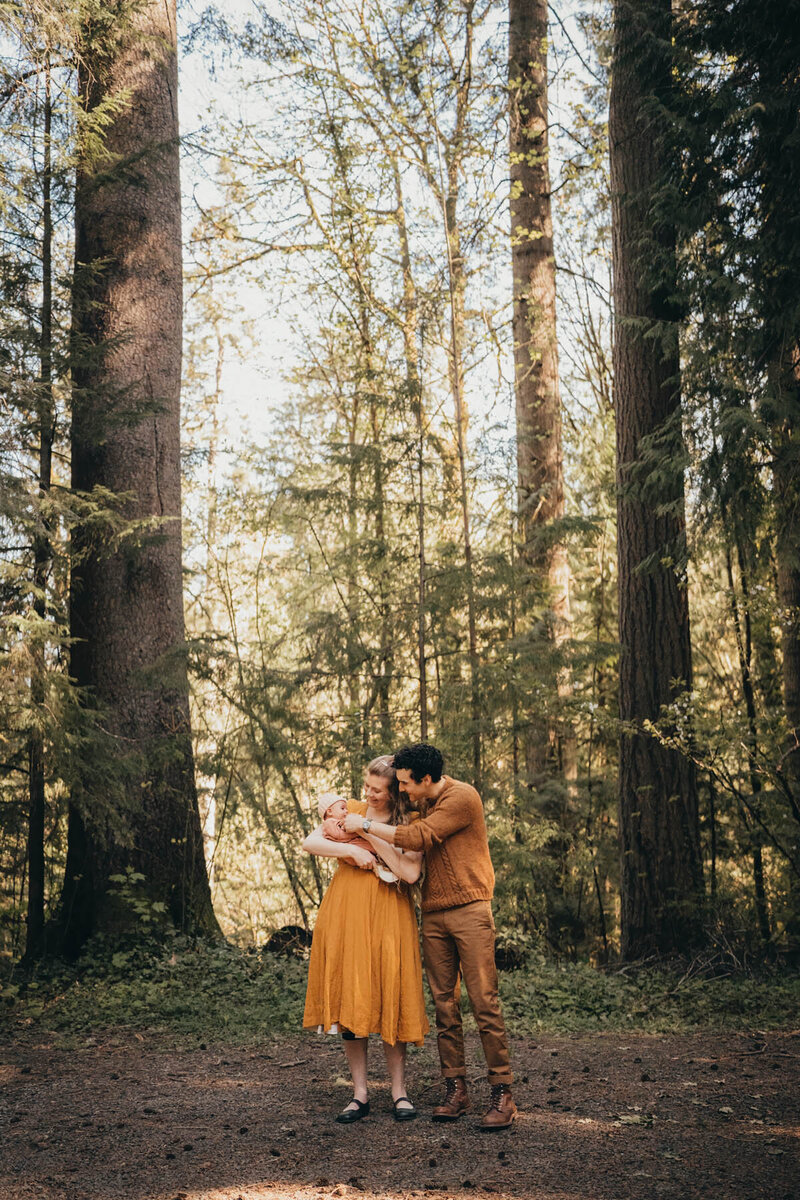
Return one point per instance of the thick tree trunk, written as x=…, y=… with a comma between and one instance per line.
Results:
x=661, y=872
x=126, y=601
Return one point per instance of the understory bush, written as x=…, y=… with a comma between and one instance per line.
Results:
x=197, y=993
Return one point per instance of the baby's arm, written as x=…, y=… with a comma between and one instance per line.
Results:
x=355, y=839
x=335, y=832
x=332, y=829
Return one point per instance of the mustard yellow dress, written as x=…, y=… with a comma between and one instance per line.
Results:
x=365, y=973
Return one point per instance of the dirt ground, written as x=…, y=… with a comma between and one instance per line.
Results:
x=601, y=1117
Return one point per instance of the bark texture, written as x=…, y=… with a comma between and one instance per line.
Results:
x=126, y=600
x=538, y=406
x=661, y=873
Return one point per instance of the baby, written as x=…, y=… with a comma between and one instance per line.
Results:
x=333, y=810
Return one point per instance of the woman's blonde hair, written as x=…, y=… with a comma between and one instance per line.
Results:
x=398, y=804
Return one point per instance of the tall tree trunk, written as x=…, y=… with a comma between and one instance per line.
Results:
x=413, y=364
x=126, y=602
x=661, y=871
x=539, y=454
x=34, y=943
x=774, y=86
x=385, y=666
x=358, y=261
x=744, y=648
x=786, y=487
x=421, y=574
x=356, y=659
x=211, y=488
x=456, y=279
x=712, y=834
x=207, y=794
x=549, y=748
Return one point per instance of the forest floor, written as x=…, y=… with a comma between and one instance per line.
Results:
x=132, y=1116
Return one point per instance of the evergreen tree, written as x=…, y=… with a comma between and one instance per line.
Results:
x=661, y=873
x=35, y=507
x=126, y=594
x=742, y=267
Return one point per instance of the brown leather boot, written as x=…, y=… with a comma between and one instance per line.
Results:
x=502, y=1110
x=456, y=1100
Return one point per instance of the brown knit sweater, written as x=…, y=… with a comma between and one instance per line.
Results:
x=452, y=835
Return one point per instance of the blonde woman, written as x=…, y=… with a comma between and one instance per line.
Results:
x=365, y=974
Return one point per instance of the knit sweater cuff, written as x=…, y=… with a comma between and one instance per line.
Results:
x=405, y=839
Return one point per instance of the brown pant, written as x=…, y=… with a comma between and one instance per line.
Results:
x=459, y=942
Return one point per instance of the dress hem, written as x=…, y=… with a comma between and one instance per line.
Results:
x=318, y=1028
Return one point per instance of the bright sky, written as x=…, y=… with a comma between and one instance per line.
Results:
x=253, y=385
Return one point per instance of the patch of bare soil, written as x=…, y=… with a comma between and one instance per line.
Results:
x=601, y=1118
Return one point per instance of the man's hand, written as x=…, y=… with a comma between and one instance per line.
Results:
x=357, y=856
x=354, y=823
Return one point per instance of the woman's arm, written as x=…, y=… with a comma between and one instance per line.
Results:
x=407, y=865
x=317, y=843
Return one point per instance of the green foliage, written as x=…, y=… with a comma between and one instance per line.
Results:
x=35, y=508
x=218, y=993
x=129, y=891
x=201, y=991
x=580, y=999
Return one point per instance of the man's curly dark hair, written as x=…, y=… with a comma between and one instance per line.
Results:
x=421, y=759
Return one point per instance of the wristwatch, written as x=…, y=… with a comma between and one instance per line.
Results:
x=365, y=824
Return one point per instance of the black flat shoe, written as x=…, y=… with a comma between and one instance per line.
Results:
x=348, y=1115
x=404, y=1114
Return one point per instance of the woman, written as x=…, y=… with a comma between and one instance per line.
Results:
x=365, y=975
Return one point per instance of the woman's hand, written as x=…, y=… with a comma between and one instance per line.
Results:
x=317, y=843
x=357, y=856
x=406, y=864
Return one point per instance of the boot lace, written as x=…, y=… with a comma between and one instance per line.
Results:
x=449, y=1089
x=498, y=1091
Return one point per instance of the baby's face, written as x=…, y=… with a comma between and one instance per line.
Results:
x=338, y=810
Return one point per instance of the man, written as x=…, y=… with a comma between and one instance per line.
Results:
x=457, y=922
